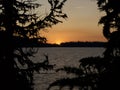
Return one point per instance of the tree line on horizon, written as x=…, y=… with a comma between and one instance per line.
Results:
x=36, y=43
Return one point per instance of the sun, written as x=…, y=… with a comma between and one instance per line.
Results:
x=58, y=42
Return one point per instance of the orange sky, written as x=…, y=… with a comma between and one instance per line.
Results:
x=81, y=25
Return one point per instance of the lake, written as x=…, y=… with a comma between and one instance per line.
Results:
x=60, y=56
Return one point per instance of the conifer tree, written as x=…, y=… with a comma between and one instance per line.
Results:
x=18, y=25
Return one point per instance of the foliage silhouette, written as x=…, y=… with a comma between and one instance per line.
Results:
x=99, y=73
x=111, y=19
x=111, y=25
x=19, y=24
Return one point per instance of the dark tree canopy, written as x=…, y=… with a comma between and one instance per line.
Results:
x=16, y=17
x=111, y=25
x=111, y=19
x=19, y=24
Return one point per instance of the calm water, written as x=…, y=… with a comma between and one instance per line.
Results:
x=61, y=57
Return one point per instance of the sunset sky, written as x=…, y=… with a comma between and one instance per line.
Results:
x=81, y=24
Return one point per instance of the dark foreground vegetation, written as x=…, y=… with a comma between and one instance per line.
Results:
x=19, y=25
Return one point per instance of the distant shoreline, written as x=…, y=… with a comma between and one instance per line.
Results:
x=68, y=44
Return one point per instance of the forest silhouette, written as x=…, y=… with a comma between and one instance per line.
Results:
x=98, y=73
x=19, y=24
x=35, y=43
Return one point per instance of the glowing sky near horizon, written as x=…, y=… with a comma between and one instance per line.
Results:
x=81, y=24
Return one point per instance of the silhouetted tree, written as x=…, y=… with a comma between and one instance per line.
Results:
x=99, y=73
x=111, y=25
x=19, y=24
x=111, y=18
x=111, y=30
